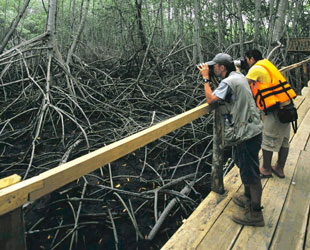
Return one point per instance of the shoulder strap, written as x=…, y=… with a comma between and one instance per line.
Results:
x=294, y=126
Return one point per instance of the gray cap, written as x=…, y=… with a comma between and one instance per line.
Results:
x=221, y=58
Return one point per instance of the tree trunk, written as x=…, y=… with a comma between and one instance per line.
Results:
x=257, y=35
x=197, y=50
x=51, y=19
x=140, y=25
x=162, y=26
x=13, y=26
x=279, y=27
x=241, y=28
x=271, y=23
x=220, y=23
x=297, y=11
x=81, y=27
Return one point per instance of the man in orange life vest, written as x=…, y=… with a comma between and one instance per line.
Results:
x=275, y=134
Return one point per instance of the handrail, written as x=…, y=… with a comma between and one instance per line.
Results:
x=293, y=66
x=33, y=188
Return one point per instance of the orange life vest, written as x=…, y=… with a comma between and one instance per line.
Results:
x=271, y=95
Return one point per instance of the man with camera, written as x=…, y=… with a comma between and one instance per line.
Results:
x=242, y=129
x=276, y=134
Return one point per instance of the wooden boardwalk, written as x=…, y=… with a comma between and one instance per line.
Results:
x=286, y=205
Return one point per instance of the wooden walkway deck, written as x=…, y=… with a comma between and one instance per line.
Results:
x=286, y=205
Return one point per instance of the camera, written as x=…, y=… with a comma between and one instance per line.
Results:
x=241, y=63
x=211, y=69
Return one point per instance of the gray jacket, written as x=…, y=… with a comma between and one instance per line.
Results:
x=244, y=120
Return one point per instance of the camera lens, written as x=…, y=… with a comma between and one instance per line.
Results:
x=237, y=63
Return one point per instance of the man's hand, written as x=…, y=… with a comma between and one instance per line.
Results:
x=204, y=70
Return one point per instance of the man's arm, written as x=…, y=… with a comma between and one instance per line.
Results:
x=211, y=98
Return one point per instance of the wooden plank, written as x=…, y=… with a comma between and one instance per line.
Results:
x=294, y=218
x=10, y=180
x=34, y=188
x=224, y=232
x=189, y=235
x=293, y=66
x=18, y=194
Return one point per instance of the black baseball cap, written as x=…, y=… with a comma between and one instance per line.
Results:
x=222, y=59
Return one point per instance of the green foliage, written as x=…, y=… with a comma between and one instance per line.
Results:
x=112, y=26
x=32, y=22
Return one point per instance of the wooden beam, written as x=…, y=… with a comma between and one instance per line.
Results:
x=293, y=66
x=10, y=180
x=36, y=187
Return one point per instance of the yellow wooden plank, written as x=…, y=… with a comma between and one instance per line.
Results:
x=294, y=218
x=16, y=195
x=65, y=173
x=189, y=235
x=10, y=180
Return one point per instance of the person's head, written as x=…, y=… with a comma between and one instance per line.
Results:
x=223, y=65
x=252, y=56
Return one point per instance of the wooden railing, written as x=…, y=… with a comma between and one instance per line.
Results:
x=15, y=194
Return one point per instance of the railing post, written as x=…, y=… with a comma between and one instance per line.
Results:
x=218, y=155
x=298, y=78
x=12, y=230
